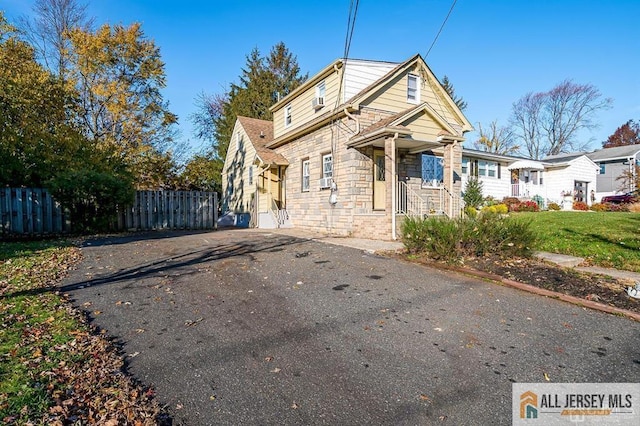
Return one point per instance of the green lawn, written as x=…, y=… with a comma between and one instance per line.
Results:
x=604, y=238
x=35, y=332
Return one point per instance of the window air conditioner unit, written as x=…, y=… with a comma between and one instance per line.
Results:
x=325, y=182
x=317, y=103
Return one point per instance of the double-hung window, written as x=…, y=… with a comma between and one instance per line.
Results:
x=465, y=165
x=306, y=175
x=413, y=89
x=250, y=175
x=327, y=166
x=288, y=117
x=321, y=90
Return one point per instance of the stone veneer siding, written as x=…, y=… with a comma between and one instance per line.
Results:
x=353, y=215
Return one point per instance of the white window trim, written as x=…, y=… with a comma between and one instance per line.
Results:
x=324, y=171
x=306, y=167
x=321, y=89
x=288, y=116
x=417, y=89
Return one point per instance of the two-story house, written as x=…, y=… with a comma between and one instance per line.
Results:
x=355, y=148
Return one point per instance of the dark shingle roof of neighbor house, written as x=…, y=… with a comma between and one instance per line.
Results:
x=563, y=158
x=260, y=133
x=616, y=152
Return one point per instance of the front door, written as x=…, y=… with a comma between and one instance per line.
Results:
x=276, y=186
x=379, y=183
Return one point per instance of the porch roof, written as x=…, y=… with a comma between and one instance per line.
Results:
x=394, y=125
x=526, y=164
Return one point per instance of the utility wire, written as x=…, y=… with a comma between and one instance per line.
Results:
x=440, y=30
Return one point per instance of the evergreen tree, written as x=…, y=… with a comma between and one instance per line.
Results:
x=448, y=87
x=473, y=193
x=263, y=81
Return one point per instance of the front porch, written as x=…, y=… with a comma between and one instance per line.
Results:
x=398, y=183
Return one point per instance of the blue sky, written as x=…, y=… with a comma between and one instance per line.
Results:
x=493, y=51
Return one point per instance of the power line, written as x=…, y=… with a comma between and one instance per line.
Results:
x=440, y=30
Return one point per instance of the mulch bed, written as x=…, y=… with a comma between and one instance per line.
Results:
x=594, y=287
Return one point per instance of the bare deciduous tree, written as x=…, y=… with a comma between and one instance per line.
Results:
x=549, y=122
x=47, y=31
x=496, y=139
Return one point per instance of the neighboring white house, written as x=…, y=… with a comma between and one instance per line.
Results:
x=510, y=176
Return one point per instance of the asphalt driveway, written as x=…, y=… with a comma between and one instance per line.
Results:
x=240, y=327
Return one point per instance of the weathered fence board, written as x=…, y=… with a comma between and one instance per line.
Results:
x=34, y=211
x=31, y=211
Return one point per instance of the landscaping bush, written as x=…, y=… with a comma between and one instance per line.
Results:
x=553, y=206
x=496, y=209
x=580, y=205
x=635, y=207
x=453, y=239
x=617, y=207
x=599, y=207
x=510, y=202
x=470, y=211
x=525, y=206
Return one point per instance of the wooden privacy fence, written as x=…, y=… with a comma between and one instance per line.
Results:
x=170, y=210
x=31, y=211
x=34, y=211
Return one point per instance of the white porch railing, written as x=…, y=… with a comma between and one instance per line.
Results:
x=410, y=203
x=280, y=216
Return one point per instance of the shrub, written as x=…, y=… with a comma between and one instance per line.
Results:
x=473, y=193
x=525, y=206
x=453, y=239
x=496, y=209
x=634, y=207
x=470, y=211
x=553, y=206
x=617, y=207
x=490, y=201
x=92, y=197
x=599, y=207
x=580, y=205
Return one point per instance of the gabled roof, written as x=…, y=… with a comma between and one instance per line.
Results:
x=466, y=125
x=260, y=133
x=615, y=153
x=395, y=122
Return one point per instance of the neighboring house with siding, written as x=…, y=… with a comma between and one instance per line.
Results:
x=509, y=176
x=360, y=145
x=612, y=163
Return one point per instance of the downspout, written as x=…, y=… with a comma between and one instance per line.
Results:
x=261, y=172
x=393, y=186
x=354, y=119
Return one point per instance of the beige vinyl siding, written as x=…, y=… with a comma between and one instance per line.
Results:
x=302, y=111
x=393, y=95
x=236, y=192
x=423, y=127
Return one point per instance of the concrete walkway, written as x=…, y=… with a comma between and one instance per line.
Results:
x=574, y=262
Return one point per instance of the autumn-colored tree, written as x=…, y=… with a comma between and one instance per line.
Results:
x=627, y=134
x=118, y=75
x=496, y=139
x=548, y=123
x=35, y=138
x=448, y=87
x=202, y=173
